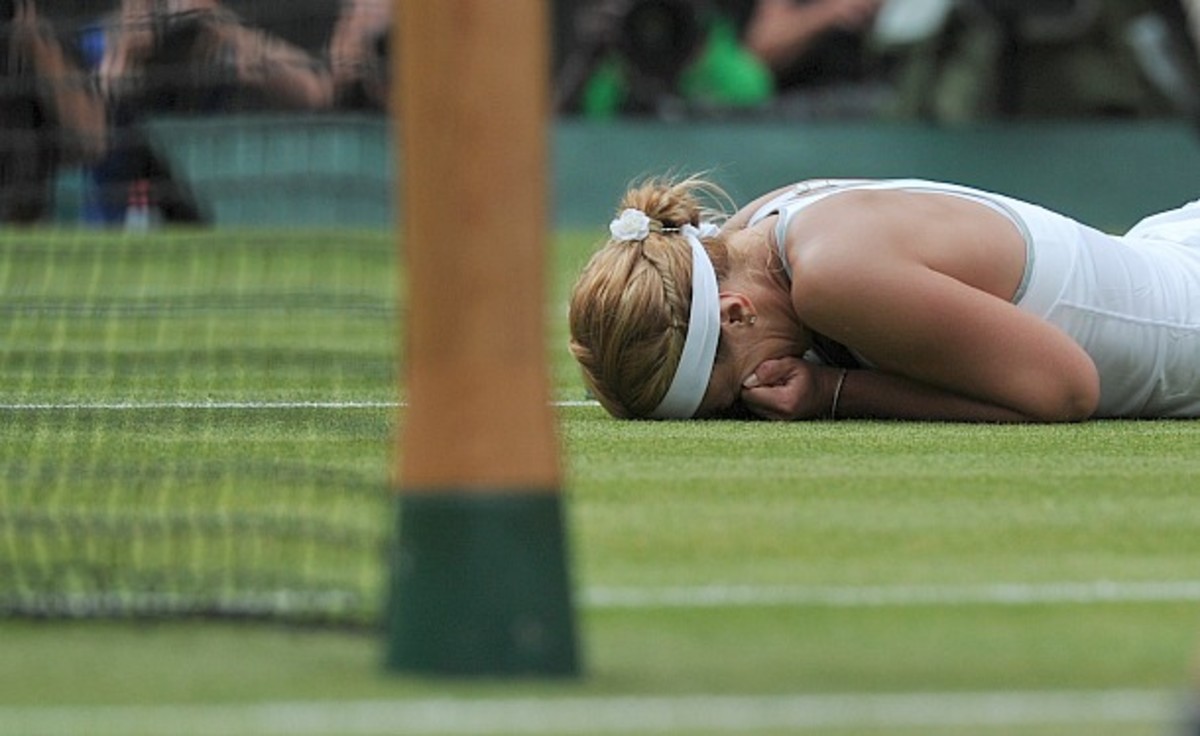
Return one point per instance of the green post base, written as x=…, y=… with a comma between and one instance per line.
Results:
x=479, y=586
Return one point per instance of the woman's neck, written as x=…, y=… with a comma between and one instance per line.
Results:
x=757, y=271
x=755, y=260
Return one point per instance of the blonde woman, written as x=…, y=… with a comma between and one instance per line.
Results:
x=902, y=299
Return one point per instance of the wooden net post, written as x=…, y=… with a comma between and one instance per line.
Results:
x=479, y=581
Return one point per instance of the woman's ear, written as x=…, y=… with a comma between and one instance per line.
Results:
x=737, y=309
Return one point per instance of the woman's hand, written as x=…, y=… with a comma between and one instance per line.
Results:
x=789, y=388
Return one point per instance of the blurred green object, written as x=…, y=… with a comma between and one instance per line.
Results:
x=723, y=75
x=605, y=92
x=726, y=74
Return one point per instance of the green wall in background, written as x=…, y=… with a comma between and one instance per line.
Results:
x=1107, y=174
x=337, y=171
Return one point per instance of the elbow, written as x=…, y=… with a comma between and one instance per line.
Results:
x=1074, y=400
x=1076, y=408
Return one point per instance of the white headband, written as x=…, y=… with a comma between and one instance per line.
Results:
x=704, y=322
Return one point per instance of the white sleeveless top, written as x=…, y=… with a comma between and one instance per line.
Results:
x=1132, y=302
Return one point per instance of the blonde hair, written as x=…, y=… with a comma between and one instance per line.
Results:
x=630, y=306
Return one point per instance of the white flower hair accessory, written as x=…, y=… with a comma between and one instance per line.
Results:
x=631, y=225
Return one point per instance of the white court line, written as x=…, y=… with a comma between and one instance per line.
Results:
x=758, y=596
x=685, y=714
x=609, y=598
x=885, y=596
x=219, y=405
x=154, y=405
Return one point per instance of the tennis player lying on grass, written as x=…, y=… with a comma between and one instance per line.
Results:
x=898, y=299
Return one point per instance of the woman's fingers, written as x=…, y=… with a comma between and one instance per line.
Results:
x=778, y=389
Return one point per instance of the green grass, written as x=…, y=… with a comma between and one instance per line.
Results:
x=802, y=512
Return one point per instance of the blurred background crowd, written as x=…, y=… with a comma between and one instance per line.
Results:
x=79, y=77
x=948, y=61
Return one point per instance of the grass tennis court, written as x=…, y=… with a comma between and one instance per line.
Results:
x=184, y=405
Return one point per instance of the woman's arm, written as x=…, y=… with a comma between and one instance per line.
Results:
x=872, y=274
x=791, y=388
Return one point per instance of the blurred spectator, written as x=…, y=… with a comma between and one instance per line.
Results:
x=810, y=42
x=1045, y=59
x=819, y=54
x=939, y=60
x=247, y=54
x=660, y=56
x=77, y=76
x=50, y=114
x=202, y=56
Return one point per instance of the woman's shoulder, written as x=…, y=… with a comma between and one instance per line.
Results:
x=886, y=206
x=859, y=226
x=849, y=210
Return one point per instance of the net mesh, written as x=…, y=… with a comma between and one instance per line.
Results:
x=195, y=423
x=194, y=420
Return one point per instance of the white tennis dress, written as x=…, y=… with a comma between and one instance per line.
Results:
x=1131, y=301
